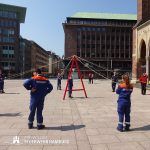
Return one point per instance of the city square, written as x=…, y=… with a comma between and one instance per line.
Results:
x=87, y=123
x=75, y=75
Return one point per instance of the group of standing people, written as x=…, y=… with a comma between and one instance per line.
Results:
x=40, y=86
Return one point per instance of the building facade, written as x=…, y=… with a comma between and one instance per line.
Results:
x=103, y=39
x=39, y=57
x=31, y=57
x=25, y=58
x=10, y=19
x=141, y=42
x=55, y=64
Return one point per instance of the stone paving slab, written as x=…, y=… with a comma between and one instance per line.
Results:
x=85, y=124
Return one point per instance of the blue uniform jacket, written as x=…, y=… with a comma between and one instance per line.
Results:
x=59, y=78
x=114, y=79
x=41, y=84
x=124, y=93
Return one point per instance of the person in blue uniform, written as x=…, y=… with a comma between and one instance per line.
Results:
x=1, y=82
x=124, y=91
x=70, y=85
x=89, y=78
x=114, y=82
x=92, y=78
x=39, y=87
x=59, y=78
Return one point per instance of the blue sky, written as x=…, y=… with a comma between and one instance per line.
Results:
x=44, y=18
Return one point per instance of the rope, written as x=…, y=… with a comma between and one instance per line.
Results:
x=100, y=66
x=66, y=67
x=92, y=69
x=95, y=65
x=28, y=71
x=69, y=58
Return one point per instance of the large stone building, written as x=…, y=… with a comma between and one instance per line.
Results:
x=104, y=39
x=141, y=42
x=25, y=58
x=10, y=19
x=55, y=64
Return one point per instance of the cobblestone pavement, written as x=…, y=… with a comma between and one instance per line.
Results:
x=78, y=123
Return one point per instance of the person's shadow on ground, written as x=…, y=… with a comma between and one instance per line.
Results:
x=11, y=93
x=65, y=128
x=10, y=114
x=144, y=128
x=74, y=98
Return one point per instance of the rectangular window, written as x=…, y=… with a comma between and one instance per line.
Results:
x=122, y=55
x=8, y=39
x=117, y=55
x=127, y=56
x=112, y=55
x=5, y=56
x=8, y=32
x=8, y=51
x=93, y=45
x=103, y=55
x=7, y=14
x=5, y=64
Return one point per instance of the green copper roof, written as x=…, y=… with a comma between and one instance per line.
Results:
x=105, y=16
x=21, y=11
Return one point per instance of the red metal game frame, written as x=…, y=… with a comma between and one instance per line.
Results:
x=74, y=64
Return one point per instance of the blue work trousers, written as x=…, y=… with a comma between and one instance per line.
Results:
x=36, y=106
x=113, y=86
x=124, y=109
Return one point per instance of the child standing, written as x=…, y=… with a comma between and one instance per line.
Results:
x=143, y=80
x=70, y=85
x=114, y=82
x=92, y=78
x=59, y=78
x=124, y=103
x=89, y=78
